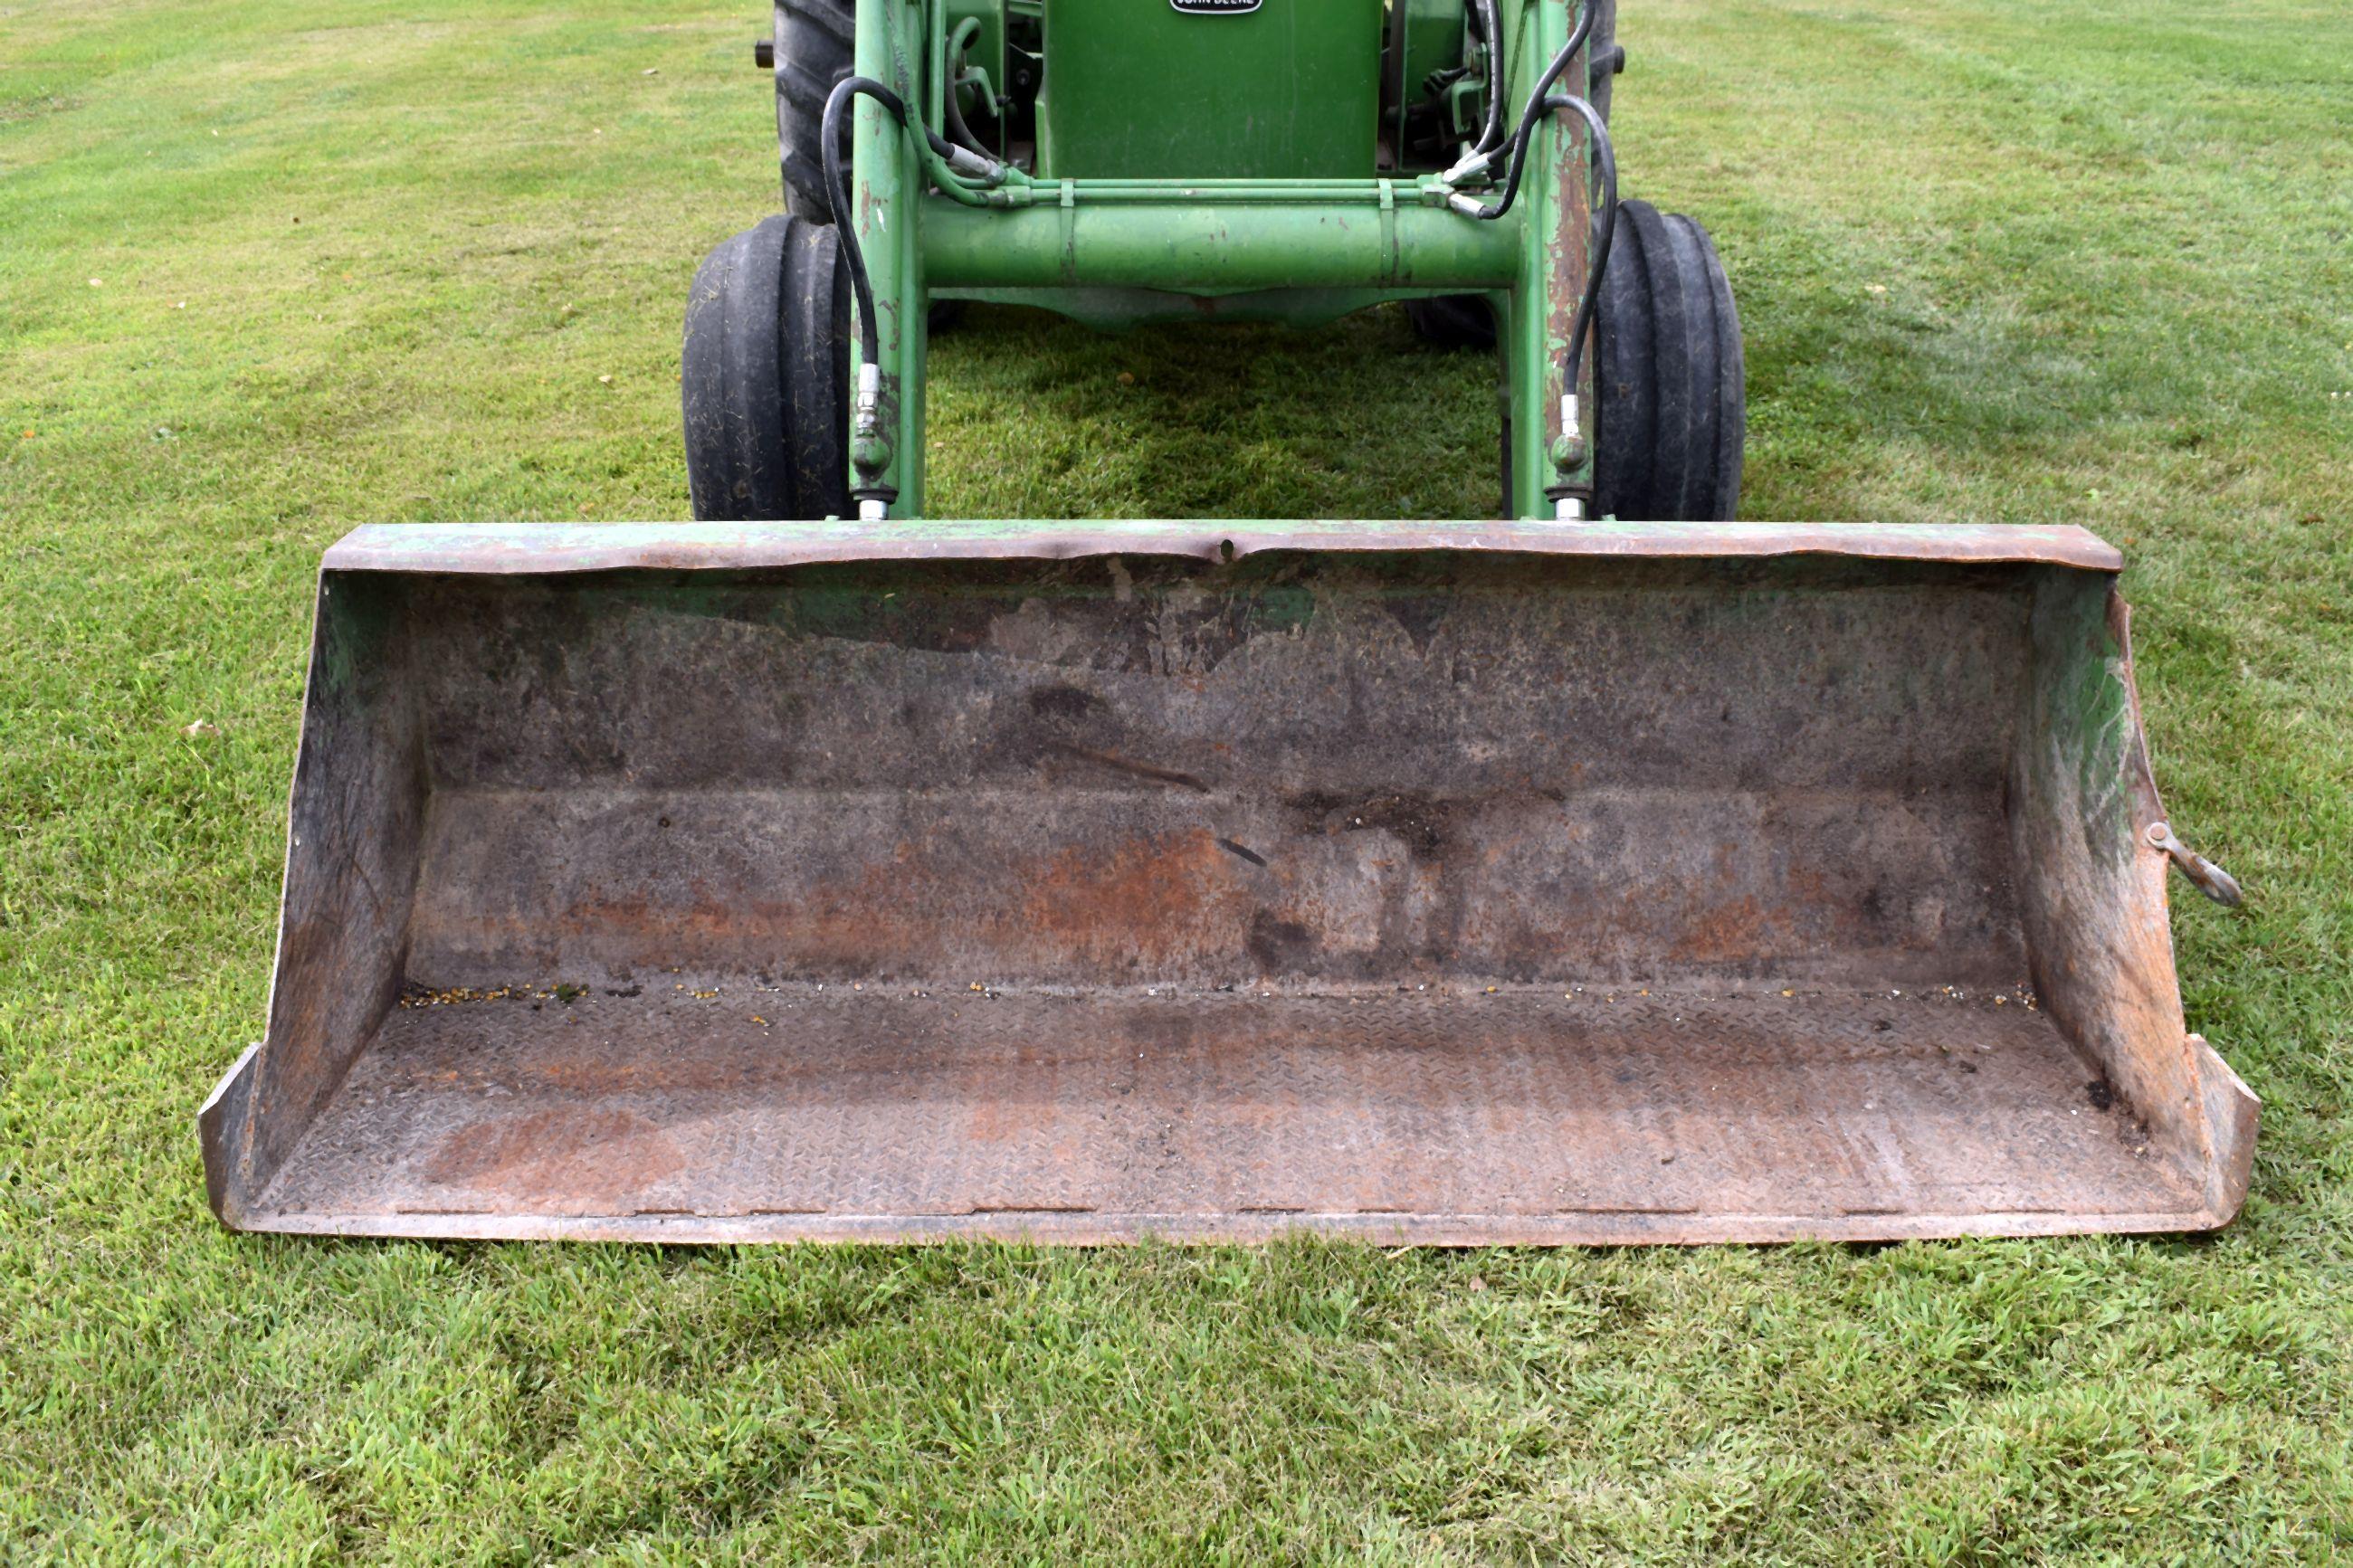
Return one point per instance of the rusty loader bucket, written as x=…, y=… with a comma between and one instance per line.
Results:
x=1428, y=883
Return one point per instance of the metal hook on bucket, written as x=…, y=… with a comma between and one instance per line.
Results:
x=2211, y=879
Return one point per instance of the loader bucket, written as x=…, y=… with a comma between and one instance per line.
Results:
x=1429, y=883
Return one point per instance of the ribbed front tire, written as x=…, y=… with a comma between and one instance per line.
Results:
x=764, y=377
x=1669, y=378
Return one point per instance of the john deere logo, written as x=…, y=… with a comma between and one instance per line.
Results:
x=1216, y=8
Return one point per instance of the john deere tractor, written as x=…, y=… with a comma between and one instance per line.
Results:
x=1599, y=870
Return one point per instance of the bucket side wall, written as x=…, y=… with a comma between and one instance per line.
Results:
x=2093, y=894
x=355, y=826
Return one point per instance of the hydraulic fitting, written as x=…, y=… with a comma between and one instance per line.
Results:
x=1471, y=167
x=1568, y=452
x=865, y=416
x=870, y=449
x=975, y=166
x=1569, y=449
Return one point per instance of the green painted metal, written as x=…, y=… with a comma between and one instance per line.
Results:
x=1140, y=87
x=1435, y=38
x=1535, y=319
x=882, y=200
x=1254, y=229
x=1209, y=249
x=1110, y=309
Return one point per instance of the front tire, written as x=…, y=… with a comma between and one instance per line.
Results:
x=1669, y=379
x=763, y=380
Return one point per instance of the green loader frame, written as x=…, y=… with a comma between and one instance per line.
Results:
x=1301, y=250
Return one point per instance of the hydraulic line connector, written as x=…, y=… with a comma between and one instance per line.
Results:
x=1569, y=453
x=870, y=449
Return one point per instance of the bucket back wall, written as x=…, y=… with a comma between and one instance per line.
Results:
x=1116, y=772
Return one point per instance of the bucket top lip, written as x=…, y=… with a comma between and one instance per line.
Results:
x=538, y=548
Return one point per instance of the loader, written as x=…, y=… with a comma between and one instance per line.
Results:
x=1604, y=870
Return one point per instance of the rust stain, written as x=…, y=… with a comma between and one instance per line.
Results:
x=997, y=1117
x=537, y=548
x=1164, y=900
x=1567, y=248
x=1558, y=794
x=599, y=1157
x=1137, y=906
x=1729, y=932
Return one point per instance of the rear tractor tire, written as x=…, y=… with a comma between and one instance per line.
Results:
x=815, y=50
x=765, y=377
x=815, y=40
x=1453, y=321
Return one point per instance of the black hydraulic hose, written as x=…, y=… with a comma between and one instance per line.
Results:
x=958, y=131
x=837, y=191
x=1536, y=105
x=837, y=194
x=1490, y=22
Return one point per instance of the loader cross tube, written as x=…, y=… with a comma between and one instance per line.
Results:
x=1210, y=247
x=1354, y=241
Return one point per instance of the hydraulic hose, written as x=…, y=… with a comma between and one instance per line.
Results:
x=837, y=191
x=1536, y=105
x=959, y=44
x=1605, y=229
x=945, y=157
x=869, y=450
x=1605, y=157
x=958, y=131
x=1490, y=22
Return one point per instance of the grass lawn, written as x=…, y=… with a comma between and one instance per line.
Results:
x=269, y=271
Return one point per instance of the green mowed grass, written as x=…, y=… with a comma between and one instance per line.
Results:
x=270, y=270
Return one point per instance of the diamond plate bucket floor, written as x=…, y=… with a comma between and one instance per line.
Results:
x=728, y=1110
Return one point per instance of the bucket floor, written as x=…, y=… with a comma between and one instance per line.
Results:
x=730, y=1111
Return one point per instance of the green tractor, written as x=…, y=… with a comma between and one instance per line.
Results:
x=1604, y=870
x=1209, y=160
